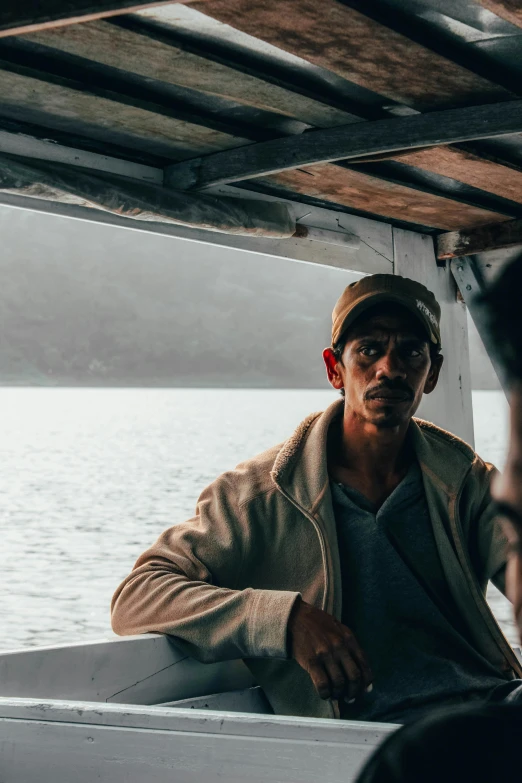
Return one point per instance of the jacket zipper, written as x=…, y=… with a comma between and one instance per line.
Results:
x=322, y=541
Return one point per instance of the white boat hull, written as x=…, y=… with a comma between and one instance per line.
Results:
x=139, y=710
x=79, y=742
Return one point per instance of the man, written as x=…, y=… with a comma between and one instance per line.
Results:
x=478, y=743
x=354, y=555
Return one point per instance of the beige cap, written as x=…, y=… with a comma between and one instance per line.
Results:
x=370, y=290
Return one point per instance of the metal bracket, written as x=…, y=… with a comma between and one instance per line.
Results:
x=471, y=283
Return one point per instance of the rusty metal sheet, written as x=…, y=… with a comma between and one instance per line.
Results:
x=389, y=200
x=361, y=50
x=470, y=169
x=130, y=51
x=143, y=201
x=22, y=97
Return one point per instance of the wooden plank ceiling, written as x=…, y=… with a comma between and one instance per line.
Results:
x=127, y=50
x=363, y=51
x=173, y=86
x=336, y=37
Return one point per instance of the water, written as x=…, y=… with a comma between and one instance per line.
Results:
x=90, y=477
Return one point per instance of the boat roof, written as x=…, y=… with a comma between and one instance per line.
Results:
x=408, y=112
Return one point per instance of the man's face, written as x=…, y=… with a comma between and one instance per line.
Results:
x=385, y=367
x=507, y=491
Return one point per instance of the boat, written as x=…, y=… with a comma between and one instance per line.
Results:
x=375, y=136
x=138, y=709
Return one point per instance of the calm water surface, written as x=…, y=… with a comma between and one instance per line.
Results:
x=92, y=476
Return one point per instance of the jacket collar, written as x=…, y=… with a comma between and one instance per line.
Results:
x=301, y=470
x=444, y=458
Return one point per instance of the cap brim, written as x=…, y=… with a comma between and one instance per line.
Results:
x=372, y=299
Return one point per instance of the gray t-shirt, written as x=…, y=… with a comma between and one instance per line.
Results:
x=407, y=625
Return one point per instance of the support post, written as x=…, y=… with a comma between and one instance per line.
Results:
x=470, y=281
x=450, y=405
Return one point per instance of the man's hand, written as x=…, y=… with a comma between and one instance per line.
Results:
x=329, y=652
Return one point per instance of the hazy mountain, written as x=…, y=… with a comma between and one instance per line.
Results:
x=86, y=304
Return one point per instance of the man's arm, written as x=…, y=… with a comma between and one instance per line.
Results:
x=489, y=540
x=186, y=585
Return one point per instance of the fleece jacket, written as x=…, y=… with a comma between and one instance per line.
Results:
x=224, y=583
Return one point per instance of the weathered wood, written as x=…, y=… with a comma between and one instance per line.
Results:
x=361, y=50
x=143, y=201
x=130, y=51
x=374, y=255
x=466, y=243
x=67, y=136
x=343, y=238
x=347, y=43
x=29, y=98
x=208, y=38
x=469, y=168
x=511, y=10
x=146, y=669
x=32, y=100
x=450, y=405
x=21, y=16
x=369, y=194
x=434, y=184
x=83, y=742
x=41, y=149
x=352, y=141
x=157, y=97
x=449, y=29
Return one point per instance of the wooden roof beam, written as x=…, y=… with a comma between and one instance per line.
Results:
x=455, y=244
x=141, y=200
x=25, y=16
x=346, y=143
